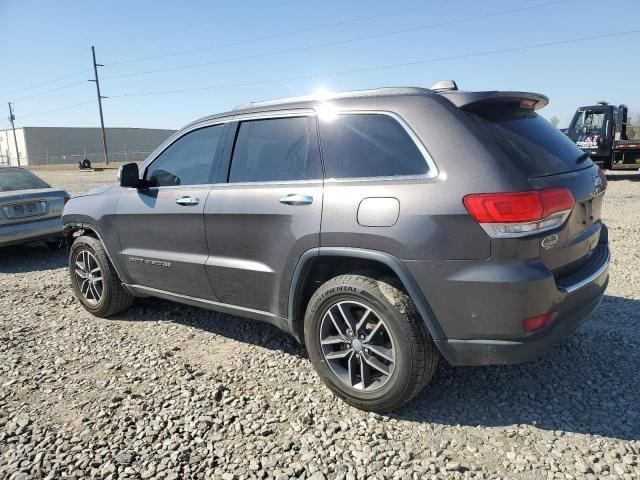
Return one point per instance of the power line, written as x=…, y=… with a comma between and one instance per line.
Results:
x=57, y=109
x=341, y=42
x=43, y=83
x=279, y=34
x=68, y=85
x=387, y=66
x=239, y=42
x=163, y=32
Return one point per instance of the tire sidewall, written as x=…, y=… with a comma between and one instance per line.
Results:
x=78, y=246
x=399, y=383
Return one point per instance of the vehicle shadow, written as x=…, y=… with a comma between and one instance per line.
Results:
x=31, y=258
x=612, y=177
x=590, y=383
x=240, y=329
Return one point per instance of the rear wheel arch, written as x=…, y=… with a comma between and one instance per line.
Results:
x=318, y=265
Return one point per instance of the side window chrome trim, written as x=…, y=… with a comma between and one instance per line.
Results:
x=182, y=187
x=271, y=115
x=432, y=169
x=317, y=181
x=386, y=178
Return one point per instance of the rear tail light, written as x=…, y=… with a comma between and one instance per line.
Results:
x=536, y=323
x=517, y=214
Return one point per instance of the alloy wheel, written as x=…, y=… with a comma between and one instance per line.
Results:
x=88, y=277
x=357, y=345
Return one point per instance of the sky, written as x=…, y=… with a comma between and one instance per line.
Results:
x=208, y=57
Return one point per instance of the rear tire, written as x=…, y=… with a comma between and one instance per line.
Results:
x=368, y=343
x=94, y=280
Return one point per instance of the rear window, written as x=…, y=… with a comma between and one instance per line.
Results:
x=536, y=146
x=368, y=145
x=12, y=179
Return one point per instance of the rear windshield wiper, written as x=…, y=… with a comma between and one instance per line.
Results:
x=582, y=157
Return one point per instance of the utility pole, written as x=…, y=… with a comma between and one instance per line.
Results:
x=100, y=97
x=12, y=117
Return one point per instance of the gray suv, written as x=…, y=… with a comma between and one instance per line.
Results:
x=384, y=229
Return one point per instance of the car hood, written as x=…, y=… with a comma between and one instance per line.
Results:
x=97, y=191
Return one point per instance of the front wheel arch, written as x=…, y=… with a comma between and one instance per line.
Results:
x=91, y=270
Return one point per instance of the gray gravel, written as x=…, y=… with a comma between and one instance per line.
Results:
x=168, y=391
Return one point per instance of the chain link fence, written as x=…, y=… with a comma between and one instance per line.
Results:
x=74, y=156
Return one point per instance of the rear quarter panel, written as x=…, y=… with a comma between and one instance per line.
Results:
x=433, y=223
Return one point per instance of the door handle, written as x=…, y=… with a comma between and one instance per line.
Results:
x=297, y=199
x=187, y=201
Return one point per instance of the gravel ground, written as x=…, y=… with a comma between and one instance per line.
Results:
x=169, y=391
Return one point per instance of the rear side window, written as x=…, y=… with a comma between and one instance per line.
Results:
x=187, y=161
x=12, y=179
x=276, y=149
x=368, y=145
x=536, y=146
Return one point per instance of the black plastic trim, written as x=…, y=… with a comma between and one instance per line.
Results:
x=479, y=352
x=386, y=259
x=267, y=317
x=71, y=226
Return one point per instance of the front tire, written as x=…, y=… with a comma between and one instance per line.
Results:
x=94, y=280
x=368, y=343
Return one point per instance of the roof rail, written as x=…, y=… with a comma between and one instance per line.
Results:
x=335, y=95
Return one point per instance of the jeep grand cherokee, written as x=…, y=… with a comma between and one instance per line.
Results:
x=384, y=229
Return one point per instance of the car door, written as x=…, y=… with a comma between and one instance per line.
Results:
x=161, y=226
x=268, y=214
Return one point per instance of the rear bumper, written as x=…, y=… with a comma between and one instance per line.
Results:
x=30, y=231
x=480, y=308
x=504, y=352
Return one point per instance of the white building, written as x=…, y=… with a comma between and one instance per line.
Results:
x=56, y=145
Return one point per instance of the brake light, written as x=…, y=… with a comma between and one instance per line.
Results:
x=516, y=214
x=536, y=323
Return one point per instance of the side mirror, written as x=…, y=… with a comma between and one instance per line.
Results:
x=129, y=176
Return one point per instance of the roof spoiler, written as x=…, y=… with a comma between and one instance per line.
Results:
x=471, y=100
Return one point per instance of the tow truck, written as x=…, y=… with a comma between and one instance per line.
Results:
x=601, y=131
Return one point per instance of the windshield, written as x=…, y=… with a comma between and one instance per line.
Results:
x=588, y=127
x=12, y=179
x=536, y=146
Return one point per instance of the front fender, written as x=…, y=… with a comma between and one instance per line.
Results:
x=96, y=214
